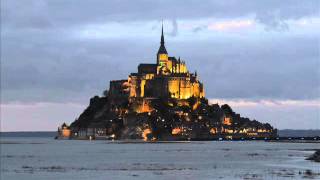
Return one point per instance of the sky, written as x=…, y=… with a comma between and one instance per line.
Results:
x=261, y=57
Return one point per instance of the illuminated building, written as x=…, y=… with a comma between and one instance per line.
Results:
x=227, y=121
x=168, y=78
x=64, y=131
x=161, y=101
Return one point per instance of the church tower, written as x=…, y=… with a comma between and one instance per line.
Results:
x=162, y=56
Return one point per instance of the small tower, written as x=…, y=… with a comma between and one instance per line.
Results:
x=164, y=66
x=162, y=54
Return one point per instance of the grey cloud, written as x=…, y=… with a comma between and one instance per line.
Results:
x=26, y=14
x=48, y=67
x=199, y=28
x=68, y=70
x=275, y=19
x=272, y=22
x=60, y=13
x=41, y=61
x=174, y=31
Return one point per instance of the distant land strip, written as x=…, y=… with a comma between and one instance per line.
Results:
x=281, y=133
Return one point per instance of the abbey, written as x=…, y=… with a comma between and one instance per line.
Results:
x=161, y=101
x=167, y=78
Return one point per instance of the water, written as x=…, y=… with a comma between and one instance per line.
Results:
x=45, y=158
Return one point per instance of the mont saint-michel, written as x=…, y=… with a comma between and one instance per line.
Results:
x=161, y=101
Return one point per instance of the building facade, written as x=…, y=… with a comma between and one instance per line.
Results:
x=167, y=78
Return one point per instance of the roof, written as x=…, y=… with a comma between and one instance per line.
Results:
x=173, y=59
x=120, y=81
x=147, y=68
x=64, y=125
x=162, y=48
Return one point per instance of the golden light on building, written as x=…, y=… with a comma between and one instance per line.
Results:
x=262, y=130
x=163, y=58
x=227, y=121
x=176, y=131
x=145, y=107
x=66, y=132
x=243, y=130
x=146, y=133
x=213, y=130
x=252, y=134
x=230, y=131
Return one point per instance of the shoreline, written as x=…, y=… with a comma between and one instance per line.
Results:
x=277, y=139
x=140, y=141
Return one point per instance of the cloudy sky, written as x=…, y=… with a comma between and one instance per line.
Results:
x=261, y=57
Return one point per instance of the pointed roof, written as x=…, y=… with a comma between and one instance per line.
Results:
x=162, y=37
x=162, y=48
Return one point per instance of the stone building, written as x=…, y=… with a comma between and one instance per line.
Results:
x=161, y=101
x=167, y=78
x=64, y=131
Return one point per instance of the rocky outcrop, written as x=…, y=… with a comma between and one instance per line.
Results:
x=170, y=119
x=315, y=156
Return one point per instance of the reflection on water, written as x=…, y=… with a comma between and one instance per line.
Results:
x=45, y=158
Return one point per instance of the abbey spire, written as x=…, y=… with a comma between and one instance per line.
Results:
x=162, y=37
x=162, y=48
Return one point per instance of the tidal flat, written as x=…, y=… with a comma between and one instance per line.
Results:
x=46, y=158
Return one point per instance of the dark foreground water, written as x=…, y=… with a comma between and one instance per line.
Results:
x=45, y=158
